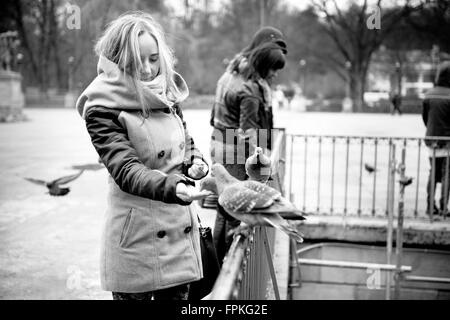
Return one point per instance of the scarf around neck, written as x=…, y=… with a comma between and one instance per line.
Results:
x=112, y=89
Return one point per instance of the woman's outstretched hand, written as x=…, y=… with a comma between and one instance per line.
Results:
x=190, y=193
x=198, y=169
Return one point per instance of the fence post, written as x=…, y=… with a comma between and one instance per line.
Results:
x=391, y=182
x=399, y=240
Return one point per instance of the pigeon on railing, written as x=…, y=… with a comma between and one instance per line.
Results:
x=252, y=202
x=54, y=187
x=258, y=166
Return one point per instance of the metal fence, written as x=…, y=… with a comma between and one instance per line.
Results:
x=351, y=175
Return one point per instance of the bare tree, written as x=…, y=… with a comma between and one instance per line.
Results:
x=355, y=41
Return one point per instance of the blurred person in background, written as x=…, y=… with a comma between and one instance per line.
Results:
x=436, y=117
x=243, y=102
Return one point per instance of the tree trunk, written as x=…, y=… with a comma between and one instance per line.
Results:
x=357, y=87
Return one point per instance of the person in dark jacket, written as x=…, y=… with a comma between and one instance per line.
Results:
x=436, y=117
x=247, y=109
x=150, y=243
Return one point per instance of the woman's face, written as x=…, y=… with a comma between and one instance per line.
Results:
x=149, y=57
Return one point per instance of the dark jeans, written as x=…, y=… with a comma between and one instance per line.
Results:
x=439, y=176
x=175, y=293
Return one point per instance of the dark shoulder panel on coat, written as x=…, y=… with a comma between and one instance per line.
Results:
x=110, y=139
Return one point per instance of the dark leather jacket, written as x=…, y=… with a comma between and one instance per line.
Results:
x=436, y=107
x=240, y=104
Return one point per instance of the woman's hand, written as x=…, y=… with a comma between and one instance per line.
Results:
x=198, y=169
x=189, y=193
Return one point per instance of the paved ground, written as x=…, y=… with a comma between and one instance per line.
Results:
x=49, y=246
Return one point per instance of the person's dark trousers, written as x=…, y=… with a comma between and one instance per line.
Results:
x=223, y=225
x=224, y=222
x=439, y=176
x=175, y=293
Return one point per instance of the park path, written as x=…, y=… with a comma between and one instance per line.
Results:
x=49, y=246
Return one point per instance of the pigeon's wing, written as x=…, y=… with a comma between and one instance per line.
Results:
x=239, y=198
x=88, y=166
x=279, y=223
x=67, y=179
x=284, y=208
x=262, y=189
x=37, y=181
x=235, y=198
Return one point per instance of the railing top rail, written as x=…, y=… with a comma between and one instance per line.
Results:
x=224, y=288
x=298, y=135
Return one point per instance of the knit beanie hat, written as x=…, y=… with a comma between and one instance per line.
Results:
x=266, y=34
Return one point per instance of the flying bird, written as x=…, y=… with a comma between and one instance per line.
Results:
x=369, y=168
x=258, y=166
x=252, y=202
x=88, y=166
x=54, y=187
x=406, y=181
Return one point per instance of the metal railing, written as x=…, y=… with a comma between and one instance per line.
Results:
x=394, y=168
x=248, y=271
x=351, y=175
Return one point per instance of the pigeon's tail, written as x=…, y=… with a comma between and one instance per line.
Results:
x=286, y=228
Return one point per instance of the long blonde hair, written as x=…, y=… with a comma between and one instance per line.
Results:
x=119, y=44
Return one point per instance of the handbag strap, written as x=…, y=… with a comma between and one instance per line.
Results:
x=199, y=222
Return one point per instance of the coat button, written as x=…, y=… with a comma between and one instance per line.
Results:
x=161, y=234
x=187, y=229
x=161, y=154
x=182, y=145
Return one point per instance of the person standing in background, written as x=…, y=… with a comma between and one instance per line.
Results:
x=243, y=102
x=436, y=117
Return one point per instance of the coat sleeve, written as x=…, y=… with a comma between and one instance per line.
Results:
x=249, y=118
x=110, y=139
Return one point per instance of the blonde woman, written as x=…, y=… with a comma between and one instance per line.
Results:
x=150, y=244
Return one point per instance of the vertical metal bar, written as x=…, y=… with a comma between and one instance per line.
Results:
x=304, y=174
x=389, y=172
x=375, y=164
x=418, y=178
x=318, y=175
x=295, y=277
x=391, y=181
x=346, y=176
x=256, y=247
x=251, y=274
x=446, y=183
x=432, y=184
x=270, y=263
x=399, y=240
x=332, y=173
x=360, y=176
x=291, y=169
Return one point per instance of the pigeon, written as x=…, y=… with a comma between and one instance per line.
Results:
x=53, y=187
x=369, y=168
x=258, y=166
x=406, y=181
x=252, y=202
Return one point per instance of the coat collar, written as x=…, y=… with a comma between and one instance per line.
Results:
x=111, y=89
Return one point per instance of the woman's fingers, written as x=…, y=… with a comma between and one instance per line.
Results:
x=190, y=193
